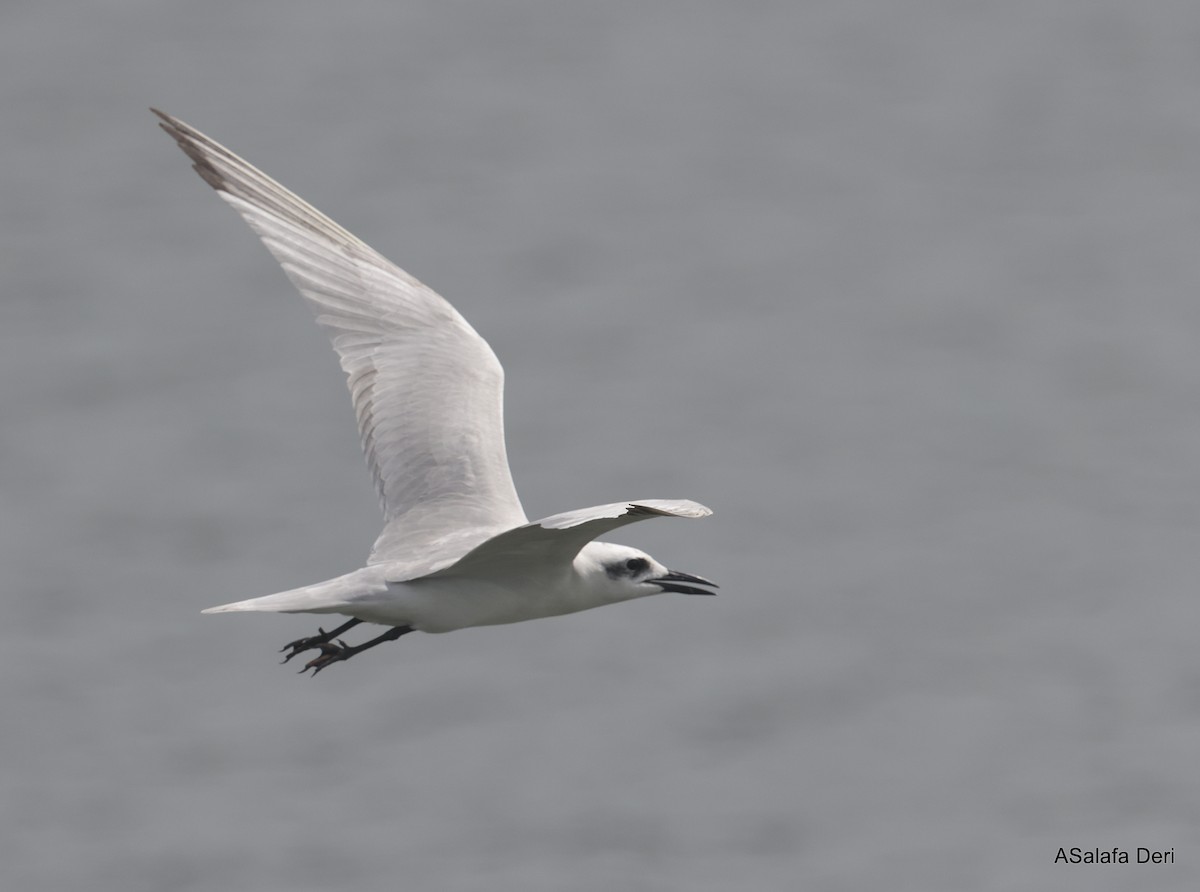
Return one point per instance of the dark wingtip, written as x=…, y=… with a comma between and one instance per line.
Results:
x=192, y=142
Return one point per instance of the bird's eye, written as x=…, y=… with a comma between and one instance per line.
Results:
x=636, y=565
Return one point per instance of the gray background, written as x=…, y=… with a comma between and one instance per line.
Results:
x=907, y=292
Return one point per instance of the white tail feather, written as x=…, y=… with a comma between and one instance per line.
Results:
x=324, y=597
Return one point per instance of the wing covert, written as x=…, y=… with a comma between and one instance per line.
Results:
x=561, y=536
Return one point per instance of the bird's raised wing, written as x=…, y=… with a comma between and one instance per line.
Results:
x=427, y=390
x=558, y=538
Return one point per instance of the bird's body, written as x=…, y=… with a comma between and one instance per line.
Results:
x=436, y=603
x=456, y=549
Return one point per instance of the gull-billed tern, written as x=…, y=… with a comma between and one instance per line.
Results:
x=456, y=549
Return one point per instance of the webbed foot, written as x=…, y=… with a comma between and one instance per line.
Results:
x=300, y=645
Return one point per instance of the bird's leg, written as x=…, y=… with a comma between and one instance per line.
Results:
x=302, y=644
x=332, y=653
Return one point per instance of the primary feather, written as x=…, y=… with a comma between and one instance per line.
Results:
x=428, y=391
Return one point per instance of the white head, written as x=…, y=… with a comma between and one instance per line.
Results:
x=619, y=573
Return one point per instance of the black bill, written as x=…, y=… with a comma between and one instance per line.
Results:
x=673, y=582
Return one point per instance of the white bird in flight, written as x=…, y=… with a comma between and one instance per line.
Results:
x=456, y=548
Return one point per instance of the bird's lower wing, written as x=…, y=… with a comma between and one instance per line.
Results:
x=560, y=537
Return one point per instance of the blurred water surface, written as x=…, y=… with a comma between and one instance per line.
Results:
x=906, y=292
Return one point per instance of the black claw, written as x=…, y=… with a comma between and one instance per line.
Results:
x=300, y=645
x=299, y=642
x=329, y=654
x=333, y=653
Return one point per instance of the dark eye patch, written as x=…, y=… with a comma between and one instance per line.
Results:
x=630, y=567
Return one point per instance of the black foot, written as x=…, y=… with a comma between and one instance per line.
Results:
x=300, y=645
x=330, y=653
x=333, y=653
